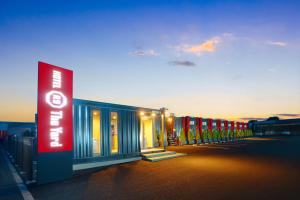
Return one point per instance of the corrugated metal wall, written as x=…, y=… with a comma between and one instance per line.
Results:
x=128, y=130
x=157, y=129
x=157, y=124
x=82, y=137
x=193, y=125
x=178, y=125
x=204, y=124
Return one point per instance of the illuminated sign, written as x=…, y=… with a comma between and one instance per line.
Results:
x=55, y=94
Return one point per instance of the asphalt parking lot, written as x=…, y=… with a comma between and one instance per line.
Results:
x=258, y=168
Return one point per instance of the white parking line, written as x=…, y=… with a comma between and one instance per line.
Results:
x=212, y=147
x=22, y=187
x=231, y=145
x=216, y=147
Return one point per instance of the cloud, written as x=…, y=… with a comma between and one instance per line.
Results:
x=276, y=43
x=273, y=70
x=252, y=118
x=184, y=63
x=288, y=115
x=141, y=52
x=237, y=77
x=208, y=46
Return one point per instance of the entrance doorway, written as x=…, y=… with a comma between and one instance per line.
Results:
x=146, y=136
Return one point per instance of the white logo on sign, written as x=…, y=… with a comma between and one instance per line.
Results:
x=56, y=99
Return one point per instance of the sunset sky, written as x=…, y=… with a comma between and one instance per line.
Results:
x=219, y=59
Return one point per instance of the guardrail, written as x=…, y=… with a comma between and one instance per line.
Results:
x=21, y=152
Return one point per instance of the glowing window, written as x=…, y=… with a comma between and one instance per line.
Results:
x=114, y=131
x=96, y=132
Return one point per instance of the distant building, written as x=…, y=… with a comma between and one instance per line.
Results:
x=275, y=126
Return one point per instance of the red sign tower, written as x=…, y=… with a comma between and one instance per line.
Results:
x=54, y=123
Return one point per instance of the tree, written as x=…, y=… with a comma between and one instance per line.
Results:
x=182, y=136
x=191, y=136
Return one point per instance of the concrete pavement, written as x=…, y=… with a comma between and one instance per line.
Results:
x=8, y=187
x=252, y=169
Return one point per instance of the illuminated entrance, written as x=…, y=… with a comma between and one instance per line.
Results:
x=147, y=132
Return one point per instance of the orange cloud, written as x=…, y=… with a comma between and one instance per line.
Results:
x=208, y=46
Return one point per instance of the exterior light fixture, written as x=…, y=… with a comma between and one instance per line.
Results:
x=142, y=113
x=153, y=114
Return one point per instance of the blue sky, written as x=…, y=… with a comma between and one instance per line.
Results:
x=222, y=59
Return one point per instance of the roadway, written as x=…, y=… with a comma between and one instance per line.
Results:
x=258, y=168
x=8, y=187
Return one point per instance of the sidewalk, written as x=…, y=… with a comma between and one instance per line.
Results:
x=8, y=187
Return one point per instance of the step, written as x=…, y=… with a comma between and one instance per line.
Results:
x=152, y=150
x=164, y=153
x=165, y=157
